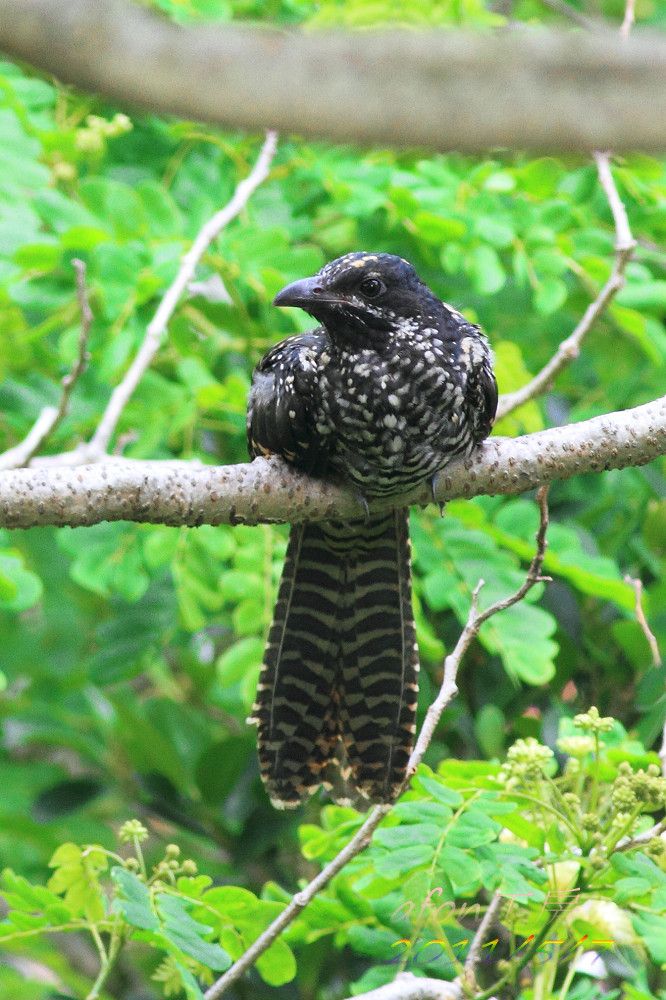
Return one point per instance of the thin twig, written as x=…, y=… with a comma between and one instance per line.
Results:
x=482, y=931
x=569, y=349
x=20, y=454
x=363, y=836
x=475, y=620
x=629, y=18
x=628, y=843
x=359, y=841
x=642, y=620
x=624, y=241
x=573, y=14
x=51, y=416
x=99, y=443
x=82, y=357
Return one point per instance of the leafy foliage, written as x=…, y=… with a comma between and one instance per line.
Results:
x=130, y=652
x=568, y=855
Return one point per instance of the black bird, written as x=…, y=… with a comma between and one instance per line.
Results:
x=390, y=387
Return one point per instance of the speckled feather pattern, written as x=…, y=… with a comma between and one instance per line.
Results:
x=384, y=392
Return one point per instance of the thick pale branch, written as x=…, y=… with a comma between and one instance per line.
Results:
x=447, y=90
x=408, y=987
x=266, y=490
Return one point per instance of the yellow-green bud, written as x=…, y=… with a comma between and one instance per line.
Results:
x=576, y=746
x=592, y=722
x=590, y=821
x=131, y=830
x=89, y=141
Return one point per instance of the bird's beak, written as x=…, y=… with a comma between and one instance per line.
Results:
x=303, y=293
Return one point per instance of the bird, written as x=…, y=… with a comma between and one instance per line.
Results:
x=390, y=386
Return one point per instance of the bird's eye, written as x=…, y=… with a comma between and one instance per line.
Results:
x=372, y=287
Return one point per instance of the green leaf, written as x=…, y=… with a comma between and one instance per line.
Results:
x=403, y=836
x=277, y=965
x=472, y=829
x=20, y=589
x=76, y=876
x=133, y=900
x=163, y=215
x=439, y=791
x=373, y=941
x=497, y=231
x=418, y=811
x=436, y=229
x=512, y=373
x=646, y=295
x=43, y=256
x=550, y=295
x=114, y=203
x=651, y=929
x=243, y=656
x=403, y=859
x=187, y=934
x=486, y=270
x=463, y=871
x=489, y=727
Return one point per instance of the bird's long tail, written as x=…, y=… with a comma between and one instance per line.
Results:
x=338, y=687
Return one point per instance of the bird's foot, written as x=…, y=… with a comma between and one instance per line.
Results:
x=433, y=494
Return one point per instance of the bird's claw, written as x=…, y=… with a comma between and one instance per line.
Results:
x=433, y=494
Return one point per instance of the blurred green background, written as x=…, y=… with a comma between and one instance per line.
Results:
x=130, y=652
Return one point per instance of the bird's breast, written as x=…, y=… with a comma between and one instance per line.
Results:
x=394, y=419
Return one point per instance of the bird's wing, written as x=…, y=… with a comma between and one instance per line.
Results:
x=280, y=417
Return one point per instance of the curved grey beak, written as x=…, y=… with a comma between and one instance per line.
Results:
x=300, y=293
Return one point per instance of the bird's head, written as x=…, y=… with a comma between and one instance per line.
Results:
x=363, y=296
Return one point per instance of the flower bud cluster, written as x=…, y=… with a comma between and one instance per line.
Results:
x=642, y=788
x=592, y=722
x=525, y=761
x=92, y=137
x=132, y=830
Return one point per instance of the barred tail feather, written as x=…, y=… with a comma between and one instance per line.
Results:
x=337, y=692
x=379, y=659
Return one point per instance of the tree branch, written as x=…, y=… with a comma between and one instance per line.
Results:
x=567, y=10
x=447, y=90
x=651, y=638
x=482, y=931
x=569, y=349
x=629, y=18
x=51, y=416
x=99, y=443
x=267, y=490
x=407, y=986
